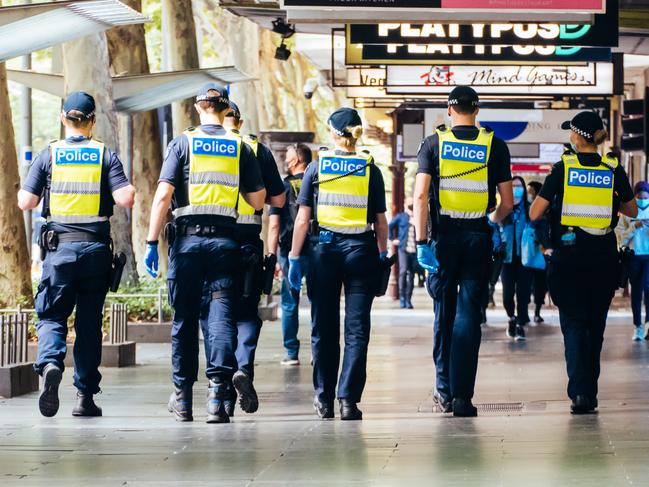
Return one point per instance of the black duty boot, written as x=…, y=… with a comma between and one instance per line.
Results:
x=324, y=411
x=520, y=333
x=349, y=410
x=582, y=404
x=464, y=408
x=180, y=403
x=86, y=406
x=511, y=327
x=248, y=399
x=48, y=402
x=230, y=401
x=440, y=404
x=216, y=395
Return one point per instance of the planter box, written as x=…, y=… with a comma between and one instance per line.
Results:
x=150, y=332
x=16, y=380
x=118, y=355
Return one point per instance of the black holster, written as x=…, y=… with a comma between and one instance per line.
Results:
x=270, y=261
x=42, y=245
x=250, y=265
x=170, y=233
x=385, y=268
x=626, y=256
x=116, y=269
x=314, y=228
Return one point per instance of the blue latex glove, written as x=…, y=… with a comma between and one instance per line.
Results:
x=151, y=259
x=295, y=273
x=426, y=258
x=383, y=255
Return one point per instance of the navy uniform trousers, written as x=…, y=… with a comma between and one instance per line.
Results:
x=247, y=321
x=582, y=280
x=76, y=274
x=193, y=262
x=352, y=262
x=458, y=290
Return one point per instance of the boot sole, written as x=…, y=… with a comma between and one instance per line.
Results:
x=248, y=399
x=79, y=413
x=212, y=419
x=48, y=402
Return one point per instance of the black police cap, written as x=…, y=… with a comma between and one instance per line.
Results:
x=343, y=118
x=585, y=124
x=79, y=101
x=204, y=93
x=236, y=113
x=463, y=95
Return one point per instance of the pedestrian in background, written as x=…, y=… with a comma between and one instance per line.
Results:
x=280, y=235
x=407, y=252
x=542, y=236
x=516, y=278
x=635, y=235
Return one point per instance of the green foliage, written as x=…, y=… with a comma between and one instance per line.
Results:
x=142, y=309
x=153, y=33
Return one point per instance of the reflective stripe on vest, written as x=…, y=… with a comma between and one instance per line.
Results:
x=247, y=214
x=587, y=193
x=342, y=202
x=464, y=183
x=213, y=187
x=75, y=189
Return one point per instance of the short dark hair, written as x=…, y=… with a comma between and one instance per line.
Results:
x=536, y=186
x=78, y=120
x=464, y=109
x=303, y=153
x=213, y=106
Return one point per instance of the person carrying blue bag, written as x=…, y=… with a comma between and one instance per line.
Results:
x=636, y=236
x=542, y=246
x=515, y=276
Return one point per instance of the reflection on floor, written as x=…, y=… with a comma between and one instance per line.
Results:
x=524, y=436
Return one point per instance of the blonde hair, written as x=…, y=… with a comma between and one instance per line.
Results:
x=600, y=136
x=349, y=141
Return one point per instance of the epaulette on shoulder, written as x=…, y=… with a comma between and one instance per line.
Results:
x=365, y=151
x=442, y=127
x=190, y=129
x=252, y=136
x=486, y=128
x=567, y=150
x=612, y=155
x=323, y=148
x=53, y=141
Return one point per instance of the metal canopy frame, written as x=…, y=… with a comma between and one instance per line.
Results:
x=28, y=28
x=138, y=93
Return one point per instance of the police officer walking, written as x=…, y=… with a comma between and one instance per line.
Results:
x=344, y=194
x=247, y=234
x=80, y=180
x=280, y=235
x=203, y=173
x=584, y=192
x=460, y=169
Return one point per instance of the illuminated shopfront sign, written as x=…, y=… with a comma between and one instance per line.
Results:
x=592, y=78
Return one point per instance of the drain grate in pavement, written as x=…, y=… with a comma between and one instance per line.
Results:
x=500, y=407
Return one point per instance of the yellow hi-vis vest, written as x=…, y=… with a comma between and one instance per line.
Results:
x=75, y=190
x=588, y=193
x=343, y=191
x=213, y=174
x=464, y=183
x=247, y=214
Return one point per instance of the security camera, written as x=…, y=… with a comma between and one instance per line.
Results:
x=310, y=87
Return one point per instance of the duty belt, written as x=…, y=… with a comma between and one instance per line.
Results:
x=50, y=239
x=471, y=225
x=205, y=231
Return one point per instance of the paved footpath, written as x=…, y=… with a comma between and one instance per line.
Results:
x=523, y=437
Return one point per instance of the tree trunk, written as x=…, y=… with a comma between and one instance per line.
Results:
x=85, y=65
x=128, y=55
x=15, y=265
x=183, y=54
